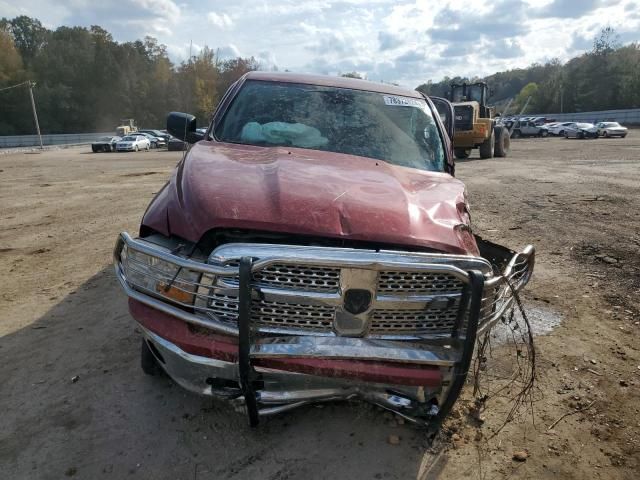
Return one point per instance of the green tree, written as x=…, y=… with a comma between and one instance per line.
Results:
x=352, y=75
x=28, y=35
x=10, y=60
x=529, y=91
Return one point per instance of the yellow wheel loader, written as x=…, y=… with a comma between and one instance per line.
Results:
x=475, y=123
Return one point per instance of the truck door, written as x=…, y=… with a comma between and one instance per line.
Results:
x=445, y=110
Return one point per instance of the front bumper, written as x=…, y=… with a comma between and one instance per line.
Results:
x=271, y=370
x=208, y=365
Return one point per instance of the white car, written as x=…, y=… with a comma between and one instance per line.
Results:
x=611, y=129
x=558, y=128
x=132, y=143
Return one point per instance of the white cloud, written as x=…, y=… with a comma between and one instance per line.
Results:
x=229, y=51
x=166, y=9
x=220, y=20
x=400, y=41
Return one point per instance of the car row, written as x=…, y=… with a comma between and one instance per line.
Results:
x=146, y=139
x=541, y=127
x=587, y=130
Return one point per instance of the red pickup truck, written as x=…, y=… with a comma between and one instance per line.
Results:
x=314, y=245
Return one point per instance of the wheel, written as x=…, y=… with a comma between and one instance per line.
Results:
x=516, y=134
x=624, y=136
x=561, y=133
x=606, y=134
x=147, y=149
x=148, y=361
x=462, y=153
x=544, y=133
x=136, y=148
x=486, y=148
x=94, y=149
x=566, y=135
x=502, y=142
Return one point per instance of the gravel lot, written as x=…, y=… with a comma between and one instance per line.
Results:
x=63, y=317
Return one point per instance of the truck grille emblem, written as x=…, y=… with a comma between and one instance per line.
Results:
x=357, y=301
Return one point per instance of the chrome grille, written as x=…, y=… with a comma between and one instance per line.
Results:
x=295, y=277
x=274, y=314
x=312, y=280
x=414, y=321
x=428, y=283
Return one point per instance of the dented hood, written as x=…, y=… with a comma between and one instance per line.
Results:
x=310, y=192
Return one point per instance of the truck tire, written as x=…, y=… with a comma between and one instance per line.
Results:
x=502, y=142
x=148, y=361
x=462, y=153
x=486, y=147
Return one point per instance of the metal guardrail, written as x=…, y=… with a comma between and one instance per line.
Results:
x=13, y=141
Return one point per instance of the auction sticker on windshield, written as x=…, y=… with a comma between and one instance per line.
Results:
x=401, y=101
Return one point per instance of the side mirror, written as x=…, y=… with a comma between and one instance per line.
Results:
x=183, y=127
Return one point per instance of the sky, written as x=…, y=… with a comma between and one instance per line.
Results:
x=393, y=41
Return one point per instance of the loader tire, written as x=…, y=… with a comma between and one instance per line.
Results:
x=502, y=142
x=486, y=147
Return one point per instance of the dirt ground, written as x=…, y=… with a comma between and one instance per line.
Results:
x=74, y=402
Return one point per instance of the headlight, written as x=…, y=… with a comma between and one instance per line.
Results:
x=159, y=276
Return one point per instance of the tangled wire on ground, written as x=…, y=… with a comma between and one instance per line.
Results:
x=513, y=381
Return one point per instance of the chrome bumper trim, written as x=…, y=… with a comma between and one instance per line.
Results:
x=352, y=349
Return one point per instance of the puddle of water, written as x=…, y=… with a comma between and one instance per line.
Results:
x=542, y=320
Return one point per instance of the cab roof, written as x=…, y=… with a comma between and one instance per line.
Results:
x=329, y=81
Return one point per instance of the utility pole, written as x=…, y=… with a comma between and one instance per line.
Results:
x=31, y=84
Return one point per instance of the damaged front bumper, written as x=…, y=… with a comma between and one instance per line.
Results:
x=269, y=366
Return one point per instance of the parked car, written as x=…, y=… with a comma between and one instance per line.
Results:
x=559, y=128
x=580, y=130
x=611, y=129
x=326, y=257
x=156, y=142
x=133, y=143
x=105, y=144
x=158, y=134
x=175, y=144
x=528, y=128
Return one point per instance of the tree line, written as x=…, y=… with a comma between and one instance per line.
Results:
x=87, y=82
x=605, y=78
